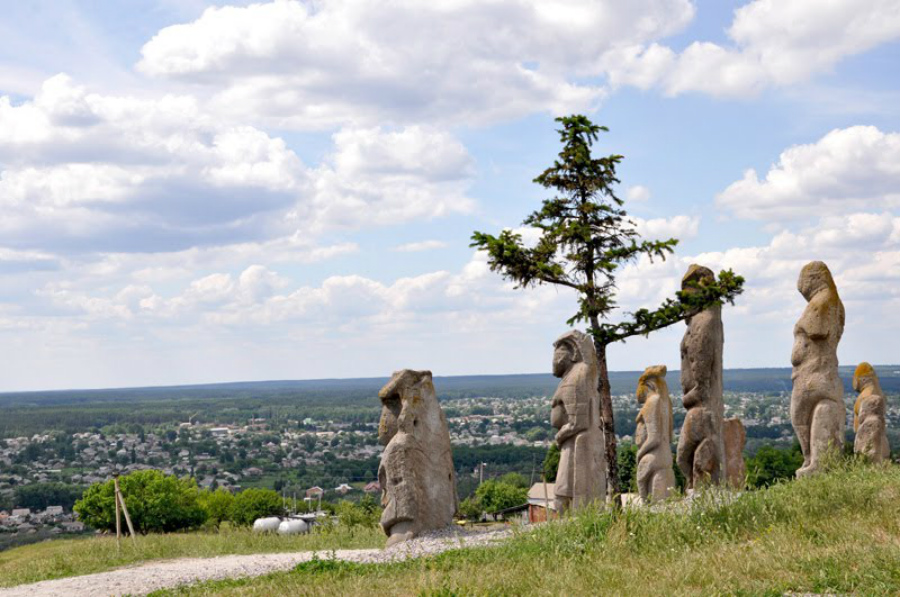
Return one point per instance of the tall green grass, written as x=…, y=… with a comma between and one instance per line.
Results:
x=832, y=533
x=71, y=557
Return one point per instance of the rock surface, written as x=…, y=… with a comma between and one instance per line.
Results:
x=817, y=406
x=735, y=436
x=653, y=436
x=416, y=472
x=575, y=412
x=701, y=449
x=869, y=416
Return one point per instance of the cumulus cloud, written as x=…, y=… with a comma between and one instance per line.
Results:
x=773, y=43
x=313, y=65
x=856, y=168
x=84, y=172
x=419, y=246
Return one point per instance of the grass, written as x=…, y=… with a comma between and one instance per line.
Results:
x=71, y=557
x=832, y=533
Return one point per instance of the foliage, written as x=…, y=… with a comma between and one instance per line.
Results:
x=627, y=460
x=365, y=514
x=586, y=237
x=514, y=479
x=551, y=463
x=218, y=505
x=770, y=465
x=38, y=496
x=495, y=496
x=157, y=503
x=470, y=508
x=251, y=504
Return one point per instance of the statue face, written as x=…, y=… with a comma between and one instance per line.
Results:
x=562, y=360
x=813, y=278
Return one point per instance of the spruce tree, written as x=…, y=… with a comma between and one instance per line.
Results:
x=586, y=238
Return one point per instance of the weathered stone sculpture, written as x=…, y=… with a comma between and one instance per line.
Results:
x=869, y=416
x=575, y=412
x=416, y=472
x=735, y=437
x=701, y=451
x=653, y=435
x=817, y=406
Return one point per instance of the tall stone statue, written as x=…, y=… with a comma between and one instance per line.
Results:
x=817, y=405
x=701, y=450
x=575, y=412
x=735, y=436
x=653, y=435
x=416, y=473
x=869, y=416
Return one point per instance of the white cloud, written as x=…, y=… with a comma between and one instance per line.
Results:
x=306, y=65
x=424, y=245
x=84, y=172
x=852, y=169
x=679, y=227
x=638, y=193
x=774, y=43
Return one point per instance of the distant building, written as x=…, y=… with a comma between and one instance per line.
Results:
x=21, y=512
x=315, y=492
x=343, y=488
x=372, y=487
x=541, y=499
x=219, y=431
x=53, y=511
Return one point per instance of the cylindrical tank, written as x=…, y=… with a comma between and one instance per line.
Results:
x=266, y=525
x=293, y=527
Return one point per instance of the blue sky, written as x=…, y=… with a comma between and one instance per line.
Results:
x=209, y=191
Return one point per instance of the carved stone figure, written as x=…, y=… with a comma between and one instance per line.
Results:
x=575, y=412
x=416, y=473
x=869, y=416
x=701, y=451
x=735, y=437
x=817, y=406
x=653, y=435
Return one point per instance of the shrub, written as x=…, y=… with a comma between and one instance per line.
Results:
x=157, y=503
x=470, y=508
x=217, y=504
x=360, y=515
x=251, y=504
x=495, y=496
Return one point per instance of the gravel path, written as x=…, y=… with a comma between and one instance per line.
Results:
x=153, y=576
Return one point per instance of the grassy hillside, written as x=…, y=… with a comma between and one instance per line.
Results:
x=73, y=557
x=834, y=533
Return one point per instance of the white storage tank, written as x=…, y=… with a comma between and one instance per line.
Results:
x=266, y=525
x=293, y=527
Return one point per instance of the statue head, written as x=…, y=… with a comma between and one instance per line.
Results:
x=570, y=348
x=864, y=377
x=652, y=381
x=814, y=277
x=696, y=275
x=399, y=399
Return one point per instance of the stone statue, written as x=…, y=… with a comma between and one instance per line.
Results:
x=817, y=406
x=575, y=412
x=416, y=473
x=869, y=416
x=701, y=451
x=653, y=435
x=735, y=437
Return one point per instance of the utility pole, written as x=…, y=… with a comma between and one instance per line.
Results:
x=481, y=472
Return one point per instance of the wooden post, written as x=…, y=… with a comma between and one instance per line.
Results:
x=121, y=500
x=546, y=500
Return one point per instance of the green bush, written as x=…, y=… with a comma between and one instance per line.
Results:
x=157, y=503
x=217, y=504
x=770, y=465
x=495, y=496
x=470, y=508
x=362, y=515
x=251, y=504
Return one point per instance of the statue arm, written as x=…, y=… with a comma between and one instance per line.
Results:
x=816, y=320
x=652, y=427
x=577, y=413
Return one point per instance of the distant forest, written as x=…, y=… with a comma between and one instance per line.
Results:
x=350, y=400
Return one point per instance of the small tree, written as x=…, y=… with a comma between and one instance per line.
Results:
x=157, y=503
x=218, y=504
x=586, y=237
x=251, y=504
x=495, y=496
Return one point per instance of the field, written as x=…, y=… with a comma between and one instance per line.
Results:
x=70, y=557
x=833, y=534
